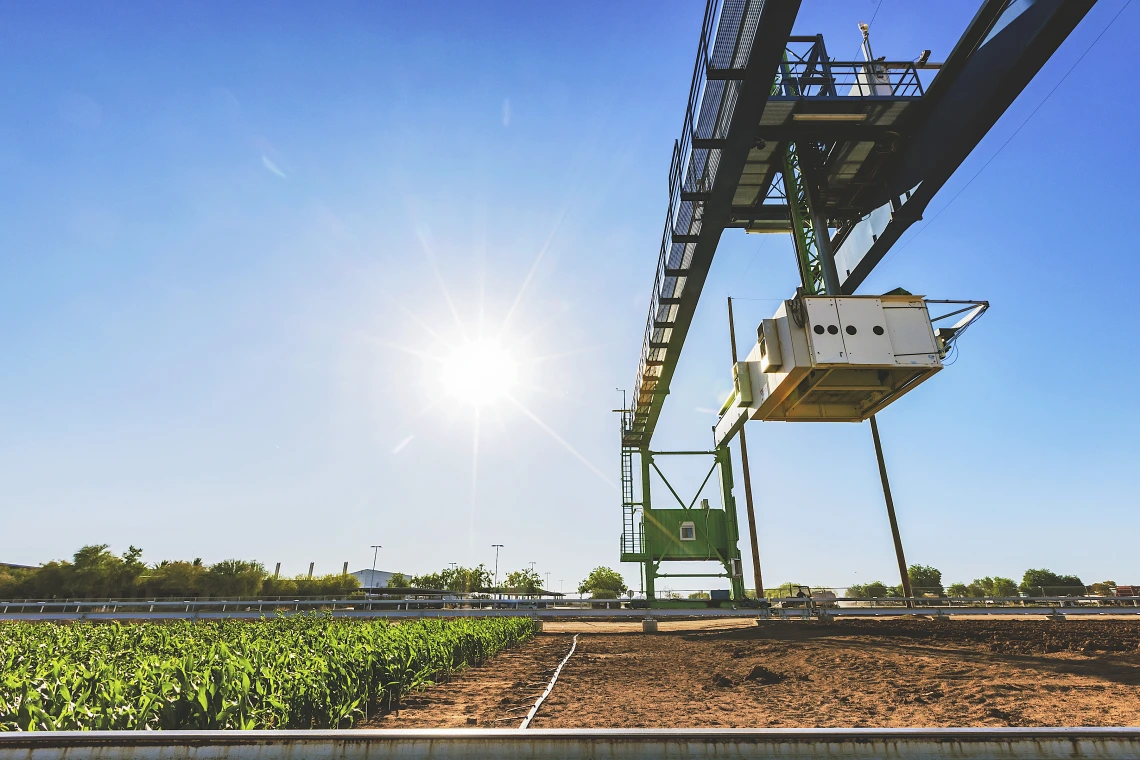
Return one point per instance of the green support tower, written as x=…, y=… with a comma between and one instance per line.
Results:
x=688, y=532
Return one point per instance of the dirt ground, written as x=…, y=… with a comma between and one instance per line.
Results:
x=496, y=695
x=780, y=674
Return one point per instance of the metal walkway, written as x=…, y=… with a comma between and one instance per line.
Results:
x=567, y=744
x=771, y=117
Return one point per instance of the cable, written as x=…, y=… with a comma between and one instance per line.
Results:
x=534, y=710
x=1015, y=132
x=952, y=356
x=753, y=259
x=875, y=14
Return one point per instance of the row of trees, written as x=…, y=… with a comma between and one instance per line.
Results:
x=923, y=580
x=601, y=583
x=467, y=580
x=928, y=580
x=94, y=572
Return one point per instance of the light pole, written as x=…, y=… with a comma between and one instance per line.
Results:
x=372, y=578
x=547, y=581
x=497, y=547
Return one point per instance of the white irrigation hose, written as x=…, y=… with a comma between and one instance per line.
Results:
x=550, y=686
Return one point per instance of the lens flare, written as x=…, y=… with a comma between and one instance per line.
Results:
x=479, y=372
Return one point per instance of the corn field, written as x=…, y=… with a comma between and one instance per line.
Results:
x=296, y=672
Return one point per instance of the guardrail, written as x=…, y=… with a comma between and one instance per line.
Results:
x=986, y=601
x=272, y=606
x=569, y=744
x=468, y=605
x=844, y=79
x=577, y=613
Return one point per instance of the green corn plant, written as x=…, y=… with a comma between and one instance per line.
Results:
x=297, y=672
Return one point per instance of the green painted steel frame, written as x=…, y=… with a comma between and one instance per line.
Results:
x=803, y=231
x=651, y=556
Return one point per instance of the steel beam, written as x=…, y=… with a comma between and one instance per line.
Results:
x=983, y=75
x=773, y=27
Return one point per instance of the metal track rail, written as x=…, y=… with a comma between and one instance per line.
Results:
x=392, y=614
x=573, y=614
x=985, y=611
x=614, y=744
x=131, y=607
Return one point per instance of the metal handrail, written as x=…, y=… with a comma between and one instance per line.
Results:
x=725, y=43
x=473, y=601
x=803, y=79
x=269, y=606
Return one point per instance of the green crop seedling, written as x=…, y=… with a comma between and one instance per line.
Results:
x=297, y=672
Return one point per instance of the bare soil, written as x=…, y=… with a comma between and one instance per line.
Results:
x=495, y=695
x=779, y=674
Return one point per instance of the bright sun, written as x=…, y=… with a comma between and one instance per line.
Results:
x=479, y=372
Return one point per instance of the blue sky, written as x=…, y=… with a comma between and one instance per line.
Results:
x=238, y=239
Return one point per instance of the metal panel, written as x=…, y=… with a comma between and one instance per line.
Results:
x=858, y=320
x=742, y=383
x=823, y=332
x=771, y=356
x=908, y=325
x=710, y=534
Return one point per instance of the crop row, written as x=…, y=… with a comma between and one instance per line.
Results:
x=296, y=672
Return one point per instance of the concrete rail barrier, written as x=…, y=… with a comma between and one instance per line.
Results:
x=608, y=744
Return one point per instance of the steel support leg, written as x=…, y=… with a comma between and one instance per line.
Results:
x=724, y=462
x=904, y=576
x=646, y=543
x=757, y=579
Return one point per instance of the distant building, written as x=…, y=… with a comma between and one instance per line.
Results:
x=372, y=578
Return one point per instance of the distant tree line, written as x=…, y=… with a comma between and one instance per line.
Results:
x=601, y=583
x=923, y=580
x=461, y=580
x=469, y=580
x=94, y=572
x=928, y=580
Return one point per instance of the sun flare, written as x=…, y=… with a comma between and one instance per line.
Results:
x=479, y=372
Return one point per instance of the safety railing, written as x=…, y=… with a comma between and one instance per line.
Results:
x=863, y=79
x=632, y=538
x=477, y=601
x=368, y=603
x=727, y=35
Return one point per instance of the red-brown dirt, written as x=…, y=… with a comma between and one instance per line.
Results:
x=496, y=695
x=780, y=674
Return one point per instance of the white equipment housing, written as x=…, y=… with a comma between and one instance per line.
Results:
x=832, y=359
